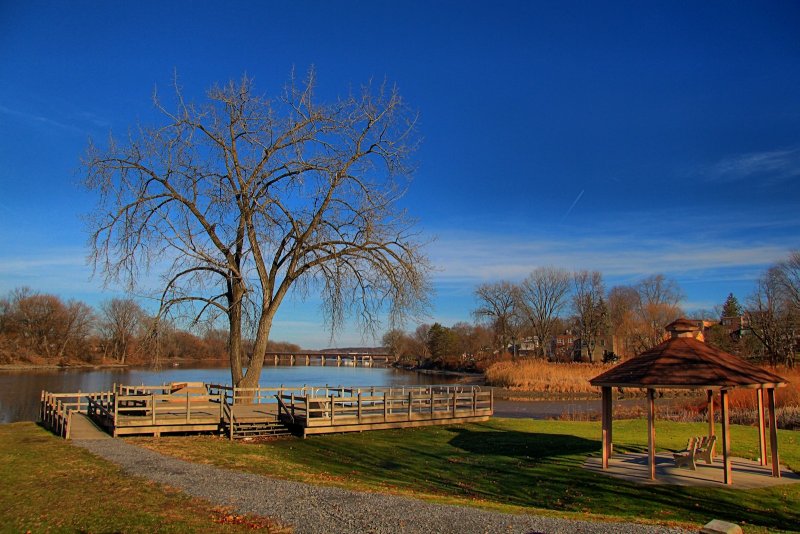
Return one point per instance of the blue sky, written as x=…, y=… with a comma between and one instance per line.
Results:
x=629, y=137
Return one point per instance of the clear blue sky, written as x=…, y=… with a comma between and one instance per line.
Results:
x=628, y=137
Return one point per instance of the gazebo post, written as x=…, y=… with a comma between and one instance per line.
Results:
x=711, y=427
x=651, y=432
x=762, y=438
x=606, y=423
x=726, y=438
x=773, y=433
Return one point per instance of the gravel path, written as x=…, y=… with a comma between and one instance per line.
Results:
x=320, y=509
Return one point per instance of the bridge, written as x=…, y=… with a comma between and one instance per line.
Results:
x=249, y=412
x=329, y=358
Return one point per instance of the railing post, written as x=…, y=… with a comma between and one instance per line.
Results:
x=432, y=401
x=474, y=400
x=116, y=409
x=385, y=407
x=188, y=406
x=454, y=403
x=410, y=401
x=359, y=406
x=292, y=404
x=333, y=407
x=153, y=406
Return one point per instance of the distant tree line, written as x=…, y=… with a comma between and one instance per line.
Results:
x=551, y=301
x=526, y=317
x=43, y=328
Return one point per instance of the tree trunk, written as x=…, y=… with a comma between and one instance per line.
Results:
x=235, y=294
x=253, y=374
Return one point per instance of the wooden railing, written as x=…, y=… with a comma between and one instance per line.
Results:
x=56, y=409
x=305, y=406
x=388, y=405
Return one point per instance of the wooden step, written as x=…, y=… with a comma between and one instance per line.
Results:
x=267, y=428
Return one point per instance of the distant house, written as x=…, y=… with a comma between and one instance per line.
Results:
x=562, y=347
x=603, y=346
x=736, y=326
x=527, y=346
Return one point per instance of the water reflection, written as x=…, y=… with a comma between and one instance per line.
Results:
x=20, y=391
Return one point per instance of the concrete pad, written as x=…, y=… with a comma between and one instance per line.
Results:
x=745, y=474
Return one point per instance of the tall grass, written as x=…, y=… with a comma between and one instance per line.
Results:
x=546, y=377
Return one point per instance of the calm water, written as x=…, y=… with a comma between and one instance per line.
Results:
x=20, y=390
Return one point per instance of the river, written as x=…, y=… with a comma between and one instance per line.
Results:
x=20, y=390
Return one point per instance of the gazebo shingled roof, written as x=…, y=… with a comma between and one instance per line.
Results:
x=685, y=362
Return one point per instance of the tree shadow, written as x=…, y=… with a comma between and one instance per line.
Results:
x=546, y=470
x=515, y=444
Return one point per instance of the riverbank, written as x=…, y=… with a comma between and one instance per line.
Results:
x=34, y=366
x=472, y=379
x=173, y=362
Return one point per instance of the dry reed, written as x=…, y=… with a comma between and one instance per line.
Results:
x=545, y=377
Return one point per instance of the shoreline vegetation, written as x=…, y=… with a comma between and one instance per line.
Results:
x=31, y=366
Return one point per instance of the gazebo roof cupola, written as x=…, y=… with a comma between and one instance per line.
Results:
x=684, y=328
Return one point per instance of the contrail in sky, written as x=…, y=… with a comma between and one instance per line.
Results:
x=573, y=205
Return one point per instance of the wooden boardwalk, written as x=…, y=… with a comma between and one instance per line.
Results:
x=82, y=427
x=239, y=412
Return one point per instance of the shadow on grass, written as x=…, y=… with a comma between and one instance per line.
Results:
x=546, y=470
x=521, y=444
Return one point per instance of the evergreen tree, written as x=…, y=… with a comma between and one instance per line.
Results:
x=441, y=342
x=731, y=308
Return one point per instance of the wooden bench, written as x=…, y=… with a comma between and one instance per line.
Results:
x=705, y=449
x=685, y=458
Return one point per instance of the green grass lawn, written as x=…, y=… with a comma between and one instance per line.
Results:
x=512, y=465
x=47, y=485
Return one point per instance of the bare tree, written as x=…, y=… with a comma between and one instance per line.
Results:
x=541, y=298
x=589, y=308
x=622, y=302
x=497, y=302
x=122, y=323
x=788, y=277
x=46, y=325
x=242, y=199
x=657, y=305
x=78, y=320
x=773, y=318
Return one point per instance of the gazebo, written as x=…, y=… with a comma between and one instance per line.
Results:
x=684, y=361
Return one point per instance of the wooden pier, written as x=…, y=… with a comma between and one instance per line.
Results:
x=249, y=412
